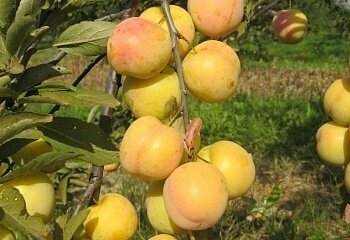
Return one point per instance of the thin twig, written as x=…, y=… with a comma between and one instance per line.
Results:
x=174, y=35
x=264, y=10
x=95, y=179
x=254, y=17
x=2, y=108
x=80, y=78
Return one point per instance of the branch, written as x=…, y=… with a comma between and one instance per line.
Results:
x=80, y=78
x=174, y=34
x=2, y=108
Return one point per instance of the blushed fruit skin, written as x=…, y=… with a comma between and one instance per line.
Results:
x=290, y=26
x=182, y=20
x=333, y=144
x=31, y=151
x=234, y=162
x=139, y=48
x=162, y=237
x=159, y=96
x=150, y=150
x=216, y=19
x=112, y=218
x=156, y=212
x=211, y=71
x=38, y=193
x=337, y=100
x=6, y=234
x=195, y=196
x=347, y=178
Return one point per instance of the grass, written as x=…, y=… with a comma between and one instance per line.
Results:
x=279, y=132
x=274, y=115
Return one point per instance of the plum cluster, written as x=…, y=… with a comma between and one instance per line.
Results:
x=333, y=138
x=183, y=195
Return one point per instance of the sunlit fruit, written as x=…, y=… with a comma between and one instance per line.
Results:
x=162, y=237
x=336, y=101
x=333, y=144
x=112, y=218
x=38, y=193
x=195, y=196
x=216, y=19
x=159, y=96
x=6, y=234
x=111, y=167
x=347, y=178
x=290, y=25
x=234, y=162
x=139, y=48
x=182, y=20
x=156, y=212
x=211, y=71
x=31, y=151
x=150, y=150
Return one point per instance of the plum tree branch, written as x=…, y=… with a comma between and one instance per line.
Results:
x=174, y=34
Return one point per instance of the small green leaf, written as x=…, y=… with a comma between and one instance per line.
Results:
x=4, y=80
x=29, y=7
x=17, y=32
x=13, y=123
x=79, y=98
x=55, y=86
x=74, y=135
x=74, y=223
x=6, y=92
x=7, y=13
x=88, y=38
x=73, y=5
x=62, y=189
x=11, y=65
x=14, y=215
x=274, y=196
x=31, y=38
x=37, y=164
x=36, y=75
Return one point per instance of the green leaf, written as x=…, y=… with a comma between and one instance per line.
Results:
x=37, y=164
x=74, y=223
x=7, y=13
x=73, y=135
x=36, y=75
x=14, y=215
x=31, y=38
x=56, y=86
x=88, y=38
x=13, y=123
x=6, y=92
x=73, y=5
x=62, y=189
x=274, y=196
x=29, y=7
x=79, y=98
x=17, y=32
x=4, y=80
x=11, y=65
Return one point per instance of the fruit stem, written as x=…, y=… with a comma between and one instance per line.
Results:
x=174, y=34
